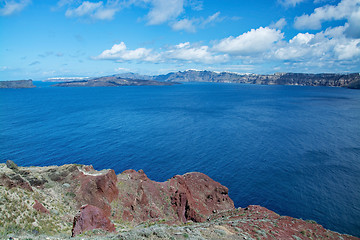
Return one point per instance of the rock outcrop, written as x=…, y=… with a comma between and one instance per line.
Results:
x=39, y=207
x=193, y=196
x=17, y=84
x=96, y=189
x=89, y=218
x=76, y=199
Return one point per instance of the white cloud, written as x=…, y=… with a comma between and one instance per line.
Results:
x=171, y=12
x=181, y=52
x=346, y=9
x=280, y=24
x=120, y=52
x=164, y=10
x=347, y=50
x=160, y=11
x=105, y=13
x=62, y=3
x=354, y=24
x=290, y=3
x=86, y=8
x=12, y=7
x=191, y=25
x=94, y=10
x=328, y=45
x=196, y=5
x=296, y=48
x=212, y=18
x=187, y=52
x=252, y=42
x=184, y=24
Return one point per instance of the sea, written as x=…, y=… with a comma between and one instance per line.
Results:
x=292, y=149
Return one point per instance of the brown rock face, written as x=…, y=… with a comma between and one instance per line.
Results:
x=97, y=189
x=39, y=207
x=14, y=180
x=89, y=218
x=193, y=196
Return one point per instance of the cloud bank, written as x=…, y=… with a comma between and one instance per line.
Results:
x=348, y=10
x=328, y=47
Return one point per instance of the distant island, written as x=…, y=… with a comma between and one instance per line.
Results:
x=17, y=84
x=112, y=81
x=302, y=79
x=351, y=80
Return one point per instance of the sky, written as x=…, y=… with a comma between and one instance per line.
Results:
x=41, y=39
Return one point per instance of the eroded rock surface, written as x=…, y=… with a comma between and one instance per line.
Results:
x=89, y=218
x=193, y=196
x=97, y=189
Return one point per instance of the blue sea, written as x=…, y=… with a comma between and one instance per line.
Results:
x=292, y=149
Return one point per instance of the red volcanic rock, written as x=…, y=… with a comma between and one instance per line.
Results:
x=39, y=207
x=89, y=218
x=97, y=189
x=193, y=196
x=14, y=180
x=142, y=199
x=261, y=223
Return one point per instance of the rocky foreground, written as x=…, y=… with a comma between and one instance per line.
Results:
x=58, y=202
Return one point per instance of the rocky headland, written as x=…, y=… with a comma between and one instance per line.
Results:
x=17, y=84
x=112, y=81
x=58, y=202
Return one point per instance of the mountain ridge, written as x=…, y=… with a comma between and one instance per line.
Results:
x=349, y=80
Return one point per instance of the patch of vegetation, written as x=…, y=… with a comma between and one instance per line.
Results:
x=70, y=194
x=311, y=221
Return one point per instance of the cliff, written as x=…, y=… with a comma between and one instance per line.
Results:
x=302, y=79
x=17, y=84
x=76, y=200
x=112, y=81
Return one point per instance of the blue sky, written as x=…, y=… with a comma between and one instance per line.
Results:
x=65, y=38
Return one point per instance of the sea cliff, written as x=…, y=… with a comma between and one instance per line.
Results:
x=76, y=200
x=302, y=79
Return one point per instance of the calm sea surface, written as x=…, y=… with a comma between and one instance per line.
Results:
x=294, y=150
